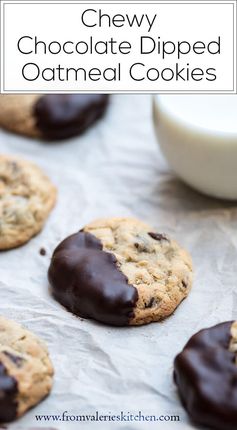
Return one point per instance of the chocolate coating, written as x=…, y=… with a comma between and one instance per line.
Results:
x=86, y=280
x=8, y=393
x=62, y=116
x=206, y=376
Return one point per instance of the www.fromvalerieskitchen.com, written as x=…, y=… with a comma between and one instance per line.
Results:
x=107, y=417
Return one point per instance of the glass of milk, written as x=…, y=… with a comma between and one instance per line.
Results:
x=198, y=137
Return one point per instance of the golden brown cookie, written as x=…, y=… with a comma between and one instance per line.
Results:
x=26, y=371
x=26, y=199
x=119, y=271
x=51, y=116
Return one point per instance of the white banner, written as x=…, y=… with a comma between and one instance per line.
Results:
x=136, y=47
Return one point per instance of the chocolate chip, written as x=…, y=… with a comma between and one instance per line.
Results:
x=141, y=247
x=150, y=303
x=42, y=251
x=158, y=236
x=184, y=284
x=14, y=358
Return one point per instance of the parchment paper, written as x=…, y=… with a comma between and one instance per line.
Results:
x=116, y=169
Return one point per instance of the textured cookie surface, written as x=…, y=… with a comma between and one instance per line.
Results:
x=206, y=376
x=26, y=372
x=51, y=116
x=119, y=271
x=26, y=198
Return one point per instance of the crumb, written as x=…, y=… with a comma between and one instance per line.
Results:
x=42, y=251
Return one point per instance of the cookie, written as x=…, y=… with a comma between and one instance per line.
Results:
x=26, y=199
x=26, y=371
x=120, y=272
x=51, y=116
x=206, y=376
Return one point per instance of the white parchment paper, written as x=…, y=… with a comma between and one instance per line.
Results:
x=116, y=169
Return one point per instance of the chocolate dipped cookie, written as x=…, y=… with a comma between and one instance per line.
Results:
x=120, y=272
x=51, y=116
x=26, y=371
x=205, y=373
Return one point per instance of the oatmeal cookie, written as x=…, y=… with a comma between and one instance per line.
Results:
x=26, y=371
x=119, y=271
x=205, y=373
x=51, y=116
x=26, y=199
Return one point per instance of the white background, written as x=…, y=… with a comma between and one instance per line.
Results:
x=193, y=22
